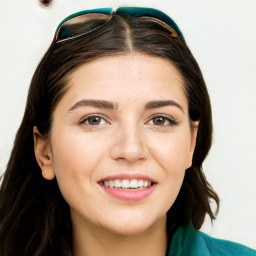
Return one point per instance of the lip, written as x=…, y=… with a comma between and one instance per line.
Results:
x=128, y=195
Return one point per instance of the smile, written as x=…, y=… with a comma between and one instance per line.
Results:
x=127, y=184
x=128, y=187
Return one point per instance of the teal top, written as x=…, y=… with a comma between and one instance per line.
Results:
x=189, y=242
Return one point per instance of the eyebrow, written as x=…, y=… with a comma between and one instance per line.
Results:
x=162, y=103
x=103, y=104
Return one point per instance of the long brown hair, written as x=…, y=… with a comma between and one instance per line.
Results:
x=34, y=218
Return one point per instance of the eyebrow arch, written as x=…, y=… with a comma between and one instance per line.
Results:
x=103, y=104
x=162, y=103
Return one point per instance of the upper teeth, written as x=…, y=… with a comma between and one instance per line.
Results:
x=127, y=183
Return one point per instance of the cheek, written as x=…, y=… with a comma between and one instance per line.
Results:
x=75, y=150
x=172, y=152
x=75, y=158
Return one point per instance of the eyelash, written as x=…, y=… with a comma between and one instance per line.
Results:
x=170, y=120
x=84, y=120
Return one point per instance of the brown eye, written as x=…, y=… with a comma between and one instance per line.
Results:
x=159, y=120
x=93, y=121
x=162, y=121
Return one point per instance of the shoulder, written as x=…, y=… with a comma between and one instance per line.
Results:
x=189, y=242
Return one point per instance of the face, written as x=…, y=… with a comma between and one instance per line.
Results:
x=120, y=143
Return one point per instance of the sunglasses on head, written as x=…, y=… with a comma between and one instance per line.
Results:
x=86, y=21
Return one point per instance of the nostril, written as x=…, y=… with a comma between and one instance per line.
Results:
x=45, y=3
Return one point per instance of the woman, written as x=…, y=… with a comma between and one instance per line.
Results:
x=108, y=158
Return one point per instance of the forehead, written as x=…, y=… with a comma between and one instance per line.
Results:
x=127, y=78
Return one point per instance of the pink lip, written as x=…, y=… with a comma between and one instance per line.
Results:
x=128, y=195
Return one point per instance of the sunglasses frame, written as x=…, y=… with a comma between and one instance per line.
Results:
x=134, y=11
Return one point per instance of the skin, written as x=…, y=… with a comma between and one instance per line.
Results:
x=126, y=139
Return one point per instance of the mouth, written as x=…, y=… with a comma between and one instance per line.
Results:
x=128, y=188
x=125, y=184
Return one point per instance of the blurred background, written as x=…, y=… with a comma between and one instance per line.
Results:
x=221, y=35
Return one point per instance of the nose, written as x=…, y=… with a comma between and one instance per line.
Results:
x=129, y=145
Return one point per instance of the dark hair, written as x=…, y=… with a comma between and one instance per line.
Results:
x=34, y=218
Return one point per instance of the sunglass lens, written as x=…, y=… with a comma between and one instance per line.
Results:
x=81, y=25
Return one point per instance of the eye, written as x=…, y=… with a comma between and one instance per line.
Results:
x=93, y=121
x=162, y=121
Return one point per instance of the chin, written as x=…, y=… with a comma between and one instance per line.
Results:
x=129, y=230
x=134, y=226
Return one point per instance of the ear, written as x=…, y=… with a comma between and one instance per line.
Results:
x=194, y=130
x=43, y=154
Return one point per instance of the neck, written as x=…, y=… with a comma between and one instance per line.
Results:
x=91, y=241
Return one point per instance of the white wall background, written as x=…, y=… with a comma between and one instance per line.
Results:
x=221, y=35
